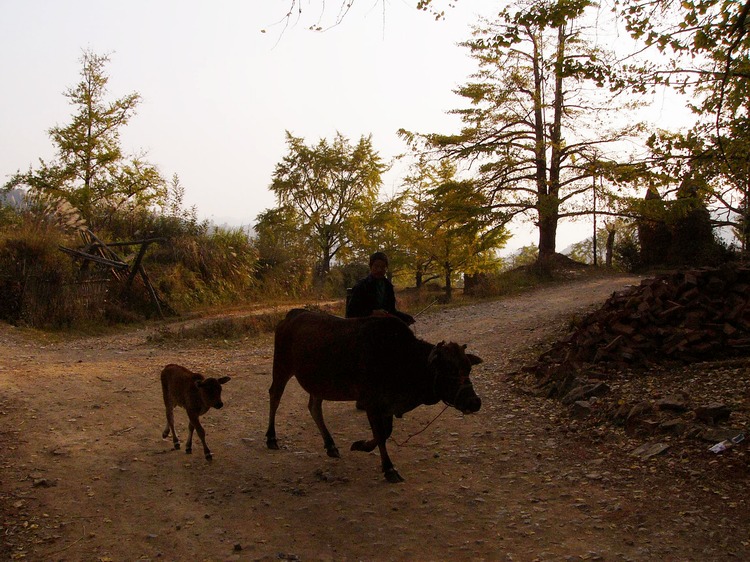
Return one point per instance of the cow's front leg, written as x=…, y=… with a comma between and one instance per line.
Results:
x=315, y=405
x=195, y=424
x=382, y=427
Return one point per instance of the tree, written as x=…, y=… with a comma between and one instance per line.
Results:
x=294, y=10
x=90, y=170
x=583, y=251
x=446, y=225
x=328, y=185
x=418, y=211
x=381, y=229
x=463, y=235
x=709, y=59
x=284, y=251
x=534, y=125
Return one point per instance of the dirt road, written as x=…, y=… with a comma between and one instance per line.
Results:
x=86, y=475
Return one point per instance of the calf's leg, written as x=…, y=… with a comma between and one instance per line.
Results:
x=170, y=425
x=315, y=405
x=195, y=424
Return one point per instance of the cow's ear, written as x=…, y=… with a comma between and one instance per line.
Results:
x=474, y=359
x=224, y=380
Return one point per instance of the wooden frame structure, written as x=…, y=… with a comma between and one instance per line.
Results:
x=97, y=251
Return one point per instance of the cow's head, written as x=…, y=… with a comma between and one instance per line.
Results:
x=450, y=366
x=210, y=391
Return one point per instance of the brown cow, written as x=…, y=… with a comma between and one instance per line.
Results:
x=194, y=392
x=377, y=362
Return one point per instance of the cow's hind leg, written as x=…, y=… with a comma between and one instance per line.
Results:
x=274, y=393
x=382, y=427
x=315, y=405
x=189, y=442
x=170, y=425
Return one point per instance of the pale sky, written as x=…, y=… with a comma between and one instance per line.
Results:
x=218, y=93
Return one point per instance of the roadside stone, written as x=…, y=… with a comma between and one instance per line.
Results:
x=639, y=410
x=43, y=483
x=598, y=389
x=585, y=391
x=717, y=434
x=673, y=404
x=676, y=426
x=622, y=412
x=713, y=414
x=648, y=450
x=581, y=409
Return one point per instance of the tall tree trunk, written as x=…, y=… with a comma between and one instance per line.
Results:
x=448, y=286
x=610, y=246
x=547, y=240
x=550, y=204
x=540, y=148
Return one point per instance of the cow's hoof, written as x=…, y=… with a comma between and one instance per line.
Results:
x=366, y=446
x=272, y=444
x=209, y=456
x=188, y=451
x=177, y=446
x=393, y=476
x=333, y=452
x=165, y=434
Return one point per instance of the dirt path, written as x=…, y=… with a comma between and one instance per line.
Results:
x=86, y=475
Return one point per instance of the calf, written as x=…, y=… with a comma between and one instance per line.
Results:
x=196, y=394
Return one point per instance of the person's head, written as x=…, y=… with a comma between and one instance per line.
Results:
x=378, y=265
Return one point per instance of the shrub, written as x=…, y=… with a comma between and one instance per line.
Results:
x=37, y=281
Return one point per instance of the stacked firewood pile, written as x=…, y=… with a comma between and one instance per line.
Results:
x=684, y=316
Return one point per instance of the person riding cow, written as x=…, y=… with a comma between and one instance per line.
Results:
x=374, y=295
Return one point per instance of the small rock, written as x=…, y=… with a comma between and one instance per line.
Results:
x=672, y=404
x=676, y=426
x=43, y=483
x=648, y=450
x=713, y=413
x=638, y=410
x=581, y=409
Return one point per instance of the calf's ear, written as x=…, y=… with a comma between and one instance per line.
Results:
x=224, y=380
x=474, y=359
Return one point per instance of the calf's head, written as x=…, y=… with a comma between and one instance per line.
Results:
x=450, y=366
x=210, y=391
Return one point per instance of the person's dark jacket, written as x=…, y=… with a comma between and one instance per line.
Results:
x=363, y=300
